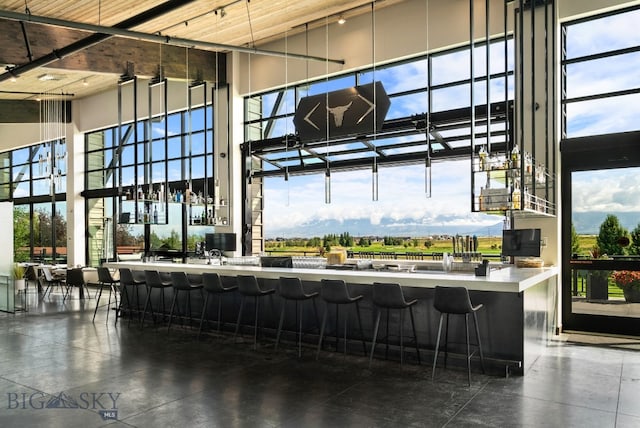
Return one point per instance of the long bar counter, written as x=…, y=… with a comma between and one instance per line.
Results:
x=518, y=317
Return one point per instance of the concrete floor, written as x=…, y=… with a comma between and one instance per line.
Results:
x=57, y=368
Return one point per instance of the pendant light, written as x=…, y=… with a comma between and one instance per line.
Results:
x=374, y=169
x=427, y=175
x=327, y=172
x=327, y=185
x=427, y=161
x=286, y=100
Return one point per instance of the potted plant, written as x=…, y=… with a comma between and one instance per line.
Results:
x=18, y=276
x=629, y=282
x=598, y=280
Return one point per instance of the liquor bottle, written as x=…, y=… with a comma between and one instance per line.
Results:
x=515, y=198
x=482, y=154
x=515, y=157
x=155, y=214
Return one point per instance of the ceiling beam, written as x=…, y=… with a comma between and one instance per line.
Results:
x=87, y=41
x=156, y=38
x=110, y=56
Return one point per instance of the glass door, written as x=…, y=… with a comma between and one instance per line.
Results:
x=603, y=288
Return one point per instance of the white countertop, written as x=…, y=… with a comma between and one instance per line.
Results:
x=509, y=279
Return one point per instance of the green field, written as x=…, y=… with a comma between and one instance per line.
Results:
x=486, y=245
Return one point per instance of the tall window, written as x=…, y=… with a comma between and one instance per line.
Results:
x=601, y=86
x=174, y=163
x=34, y=178
x=436, y=83
x=601, y=163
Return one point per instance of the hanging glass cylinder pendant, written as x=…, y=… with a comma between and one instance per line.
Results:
x=427, y=177
x=374, y=181
x=327, y=186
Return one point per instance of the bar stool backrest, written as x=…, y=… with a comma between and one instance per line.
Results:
x=452, y=300
x=212, y=282
x=335, y=291
x=104, y=276
x=152, y=278
x=126, y=277
x=290, y=288
x=388, y=295
x=180, y=280
x=194, y=278
x=75, y=277
x=248, y=285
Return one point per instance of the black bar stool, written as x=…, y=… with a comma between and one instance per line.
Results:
x=134, y=280
x=290, y=289
x=213, y=285
x=180, y=282
x=389, y=296
x=248, y=287
x=153, y=280
x=334, y=291
x=456, y=300
x=105, y=279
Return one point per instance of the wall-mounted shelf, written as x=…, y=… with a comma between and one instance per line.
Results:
x=508, y=182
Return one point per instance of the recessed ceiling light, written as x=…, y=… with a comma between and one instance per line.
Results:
x=341, y=20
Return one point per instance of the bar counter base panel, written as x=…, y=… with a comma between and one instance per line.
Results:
x=516, y=322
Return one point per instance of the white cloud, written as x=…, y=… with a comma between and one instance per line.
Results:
x=401, y=196
x=616, y=190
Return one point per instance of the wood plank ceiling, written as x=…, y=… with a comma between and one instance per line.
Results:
x=98, y=68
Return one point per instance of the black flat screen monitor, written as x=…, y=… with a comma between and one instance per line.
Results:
x=220, y=241
x=521, y=242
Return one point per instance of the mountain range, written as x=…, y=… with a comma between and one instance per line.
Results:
x=445, y=225
x=587, y=223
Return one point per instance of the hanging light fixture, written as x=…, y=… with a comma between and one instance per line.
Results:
x=286, y=101
x=327, y=185
x=327, y=171
x=52, y=163
x=374, y=180
x=427, y=161
x=427, y=175
x=374, y=168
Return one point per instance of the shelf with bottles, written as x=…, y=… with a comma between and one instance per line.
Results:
x=206, y=215
x=502, y=199
x=148, y=193
x=497, y=163
x=143, y=212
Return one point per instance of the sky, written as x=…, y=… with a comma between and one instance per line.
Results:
x=401, y=189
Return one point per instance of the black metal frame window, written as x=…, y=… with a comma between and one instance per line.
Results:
x=430, y=90
x=600, y=99
x=39, y=197
x=185, y=157
x=600, y=78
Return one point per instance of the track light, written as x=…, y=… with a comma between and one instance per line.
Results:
x=223, y=13
x=341, y=20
